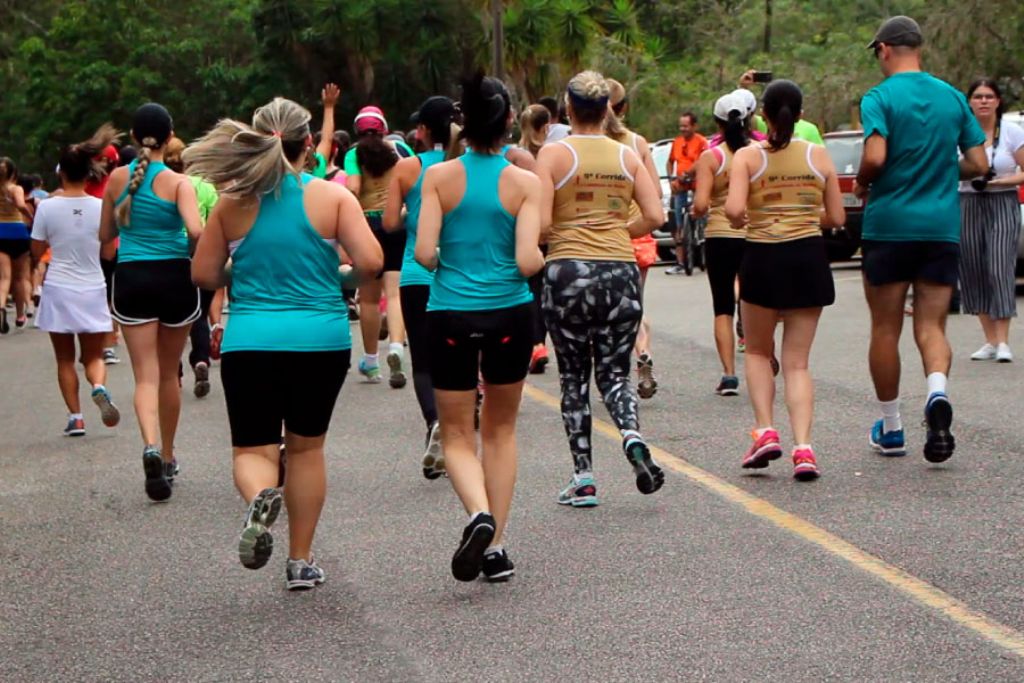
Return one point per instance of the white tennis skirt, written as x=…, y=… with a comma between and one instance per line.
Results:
x=67, y=310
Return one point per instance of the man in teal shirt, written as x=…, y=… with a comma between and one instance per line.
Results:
x=914, y=125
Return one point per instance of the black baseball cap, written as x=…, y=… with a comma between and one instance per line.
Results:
x=152, y=122
x=899, y=30
x=434, y=112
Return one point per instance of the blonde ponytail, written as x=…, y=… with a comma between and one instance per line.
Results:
x=251, y=161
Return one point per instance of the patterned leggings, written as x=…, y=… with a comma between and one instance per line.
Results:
x=592, y=310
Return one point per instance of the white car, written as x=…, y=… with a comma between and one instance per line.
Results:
x=1018, y=118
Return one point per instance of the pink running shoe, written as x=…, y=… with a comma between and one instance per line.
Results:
x=765, y=449
x=805, y=466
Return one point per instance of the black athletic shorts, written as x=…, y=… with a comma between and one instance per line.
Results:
x=14, y=248
x=467, y=344
x=267, y=389
x=155, y=291
x=392, y=243
x=786, y=275
x=885, y=263
x=724, y=255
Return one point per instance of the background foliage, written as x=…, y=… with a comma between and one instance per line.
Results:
x=67, y=66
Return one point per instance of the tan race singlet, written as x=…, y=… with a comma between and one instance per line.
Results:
x=718, y=224
x=591, y=210
x=9, y=212
x=786, y=195
x=373, y=192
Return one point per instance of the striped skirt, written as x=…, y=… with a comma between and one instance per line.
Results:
x=991, y=224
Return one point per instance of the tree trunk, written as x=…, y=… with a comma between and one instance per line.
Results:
x=767, y=26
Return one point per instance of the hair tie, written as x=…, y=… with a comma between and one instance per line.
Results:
x=276, y=133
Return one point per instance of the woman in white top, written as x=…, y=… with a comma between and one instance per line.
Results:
x=74, y=298
x=990, y=214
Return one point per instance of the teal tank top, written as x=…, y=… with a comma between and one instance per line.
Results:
x=285, y=285
x=477, y=268
x=412, y=272
x=154, y=231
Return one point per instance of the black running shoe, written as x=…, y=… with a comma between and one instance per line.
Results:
x=649, y=477
x=468, y=559
x=497, y=567
x=171, y=470
x=157, y=486
x=938, y=416
x=256, y=544
x=5, y=327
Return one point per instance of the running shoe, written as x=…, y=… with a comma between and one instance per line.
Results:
x=370, y=372
x=37, y=296
x=157, y=486
x=76, y=427
x=171, y=470
x=302, y=575
x=468, y=559
x=646, y=386
x=741, y=345
x=396, y=376
x=5, y=327
x=108, y=411
x=649, y=477
x=890, y=444
x=256, y=543
x=20, y=322
x=110, y=357
x=729, y=386
x=675, y=270
x=986, y=352
x=938, y=416
x=433, y=456
x=497, y=567
x=1004, y=354
x=805, y=466
x=765, y=449
x=580, y=493
x=202, y=372
x=539, y=359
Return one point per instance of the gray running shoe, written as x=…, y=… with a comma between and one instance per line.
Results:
x=396, y=378
x=256, y=544
x=302, y=575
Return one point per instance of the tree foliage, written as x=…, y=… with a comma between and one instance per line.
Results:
x=67, y=66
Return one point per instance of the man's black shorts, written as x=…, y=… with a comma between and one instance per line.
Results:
x=885, y=263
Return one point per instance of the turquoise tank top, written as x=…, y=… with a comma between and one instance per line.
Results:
x=154, y=231
x=285, y=285
x=412, y=272
x=477, y=268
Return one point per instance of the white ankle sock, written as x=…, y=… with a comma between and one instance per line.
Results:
x=891, y=421
x=936, y=383
x=75, y=416
x=494, y=549
x=396, y=347
x=370, y=359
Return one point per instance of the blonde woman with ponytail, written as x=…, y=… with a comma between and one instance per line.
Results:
x=153, y=298
x=287, y=345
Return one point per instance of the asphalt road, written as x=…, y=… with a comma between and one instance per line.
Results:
x=883, y=570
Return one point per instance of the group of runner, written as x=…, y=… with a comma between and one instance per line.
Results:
x=480, y=250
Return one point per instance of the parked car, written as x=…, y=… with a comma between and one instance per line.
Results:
x=846, y=149
x=663, y=235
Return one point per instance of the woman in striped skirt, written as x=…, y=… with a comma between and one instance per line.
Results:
x=991, y=225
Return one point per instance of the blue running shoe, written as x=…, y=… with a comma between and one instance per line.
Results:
x=108, y=411
x=370, y=372
x=888, y=443
x=938, y=417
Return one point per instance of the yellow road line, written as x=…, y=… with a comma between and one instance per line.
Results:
x=917, y=589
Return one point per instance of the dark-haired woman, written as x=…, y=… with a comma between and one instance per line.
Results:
x=777, y=191
x=592, y=290
x=75, y=301
x=15, y=263
x=991, y=225
x=368, y=168
x=435, y=132
x=154, y=299
x=724, y=244
x=287, y=345
x=479, y=227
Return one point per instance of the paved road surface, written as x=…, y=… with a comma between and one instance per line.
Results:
x=884, y=570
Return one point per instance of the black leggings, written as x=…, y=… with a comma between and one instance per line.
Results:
x=200, y=332
x=414, y=312
x=593, y=311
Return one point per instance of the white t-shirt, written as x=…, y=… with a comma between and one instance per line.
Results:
x=1011, y=139
x=72, y=227
x=557, y=131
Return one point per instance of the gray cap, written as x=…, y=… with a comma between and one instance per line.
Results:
x=898, y=30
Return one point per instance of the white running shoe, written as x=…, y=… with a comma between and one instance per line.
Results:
x=1004, y=354
x=986, y=352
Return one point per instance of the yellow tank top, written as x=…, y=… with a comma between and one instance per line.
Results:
x=718, y=224
x=786, y=195
x=373, y=192
x=591, y=210
x=9, y=212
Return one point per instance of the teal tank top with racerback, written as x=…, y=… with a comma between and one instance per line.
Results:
x=154, y=231
x=412, y=272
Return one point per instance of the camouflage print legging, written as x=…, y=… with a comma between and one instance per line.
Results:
x=592, y=310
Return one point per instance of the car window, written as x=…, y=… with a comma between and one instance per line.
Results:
x=845, y=153
x=660, y=155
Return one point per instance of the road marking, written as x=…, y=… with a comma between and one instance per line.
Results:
x=917, y=589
